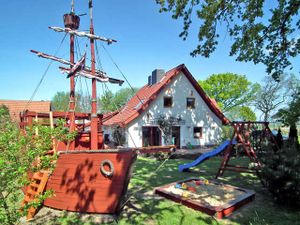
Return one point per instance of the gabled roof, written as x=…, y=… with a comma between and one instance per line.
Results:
x=17, y=106
x=138, y=103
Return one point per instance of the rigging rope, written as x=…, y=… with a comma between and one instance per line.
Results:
x=44, y=75
x=141, y=101
x=98, y=57
x=146, y=181
x=78, y=46
x=120, y=112
x=107, y=89
x=121, y=73
x=132, y=89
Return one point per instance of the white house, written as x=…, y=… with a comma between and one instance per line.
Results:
x=177, y=99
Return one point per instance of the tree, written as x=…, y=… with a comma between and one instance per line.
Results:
x=106, y=101
x=242, y=113
x=291, y=115
x=270, y=96
x=229, y=90
x=84, y=103
x=60, y=101
x=261, y=32
x=280, y=173
x=111, y=102
x=123, y=96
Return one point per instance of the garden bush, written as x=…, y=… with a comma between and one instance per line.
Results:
x=18, y=153
x=281, y=173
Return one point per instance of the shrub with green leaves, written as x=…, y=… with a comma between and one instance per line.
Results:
x=118, y=136
x=281, y=174
x=227, y=132
x=18, y=152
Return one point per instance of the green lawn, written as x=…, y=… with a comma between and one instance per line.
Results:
x=141, y=209
x=150, y=211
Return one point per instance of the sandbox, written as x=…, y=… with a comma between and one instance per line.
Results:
x=208, y=196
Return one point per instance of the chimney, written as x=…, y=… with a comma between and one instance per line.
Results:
x=149, y=80
x=157, y=74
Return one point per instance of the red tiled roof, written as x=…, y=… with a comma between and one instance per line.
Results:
x=147, y=94
x=17, y=106
x=108, y=115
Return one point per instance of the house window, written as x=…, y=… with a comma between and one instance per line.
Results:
x=168, y=102
x=197, y=132
x=190, y=103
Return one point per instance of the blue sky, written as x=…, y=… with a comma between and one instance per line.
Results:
x=146, y=38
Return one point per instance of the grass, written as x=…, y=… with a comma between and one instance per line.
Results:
x=141, y=209
x=150, y=211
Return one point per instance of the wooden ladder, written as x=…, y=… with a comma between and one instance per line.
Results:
x=34, y=189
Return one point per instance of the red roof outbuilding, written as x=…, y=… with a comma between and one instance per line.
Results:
x=17, y=106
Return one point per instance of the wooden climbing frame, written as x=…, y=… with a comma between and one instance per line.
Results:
x=34, y=189
x=250, y=135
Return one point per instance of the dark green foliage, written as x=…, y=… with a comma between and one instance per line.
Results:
x=233, y=93
x=281, y=174
x=291, y=115
x=229, y=90
x=110, y=102
x=106, y=102
x=227, y=132
x=261, y=31
x=60, y=101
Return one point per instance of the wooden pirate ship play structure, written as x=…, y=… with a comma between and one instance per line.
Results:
x=86, y=177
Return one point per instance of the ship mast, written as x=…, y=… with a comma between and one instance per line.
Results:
x=71, y=21
x=94, y=117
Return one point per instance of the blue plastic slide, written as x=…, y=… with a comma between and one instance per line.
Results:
x=204, y=156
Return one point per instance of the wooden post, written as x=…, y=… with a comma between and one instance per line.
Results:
x=36, y=121
x=52, y=127
x=242, y=136
x=71, y=144
x=94, y=117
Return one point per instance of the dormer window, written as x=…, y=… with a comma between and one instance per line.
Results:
x=168, y=102
x=190, y=103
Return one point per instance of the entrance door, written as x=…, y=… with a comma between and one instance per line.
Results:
x=176, y=136
x=151, y=136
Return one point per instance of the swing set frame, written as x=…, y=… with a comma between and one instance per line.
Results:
x=249, y=141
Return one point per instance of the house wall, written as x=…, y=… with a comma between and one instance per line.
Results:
x=179, y=88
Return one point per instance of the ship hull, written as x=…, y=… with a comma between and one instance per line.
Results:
x=80, y=186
